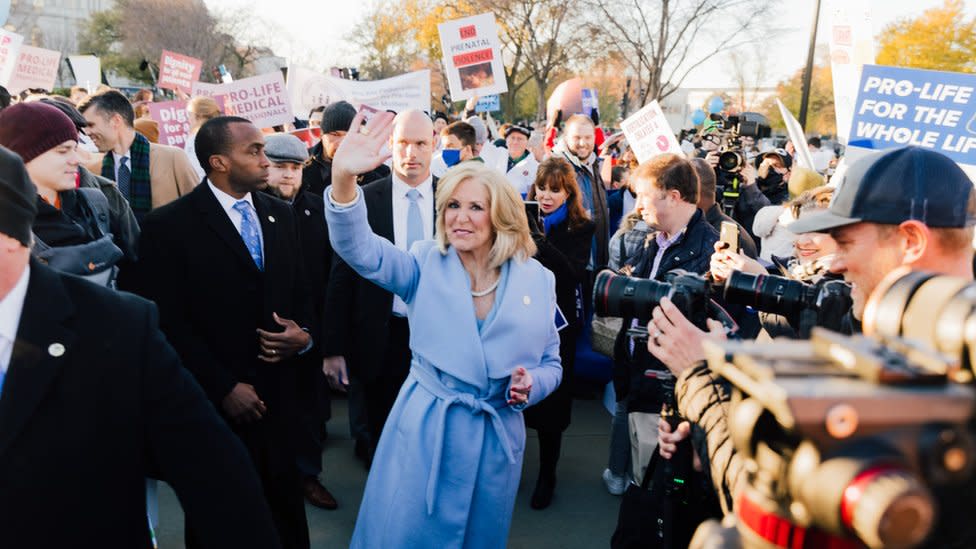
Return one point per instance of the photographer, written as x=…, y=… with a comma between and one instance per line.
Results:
x=909, y=207
x=766, y=185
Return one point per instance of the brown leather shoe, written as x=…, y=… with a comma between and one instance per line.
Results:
x=318, y=495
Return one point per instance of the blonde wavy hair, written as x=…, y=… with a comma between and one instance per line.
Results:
x=508, y=221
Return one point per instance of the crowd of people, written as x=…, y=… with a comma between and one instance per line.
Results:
x=435, y=268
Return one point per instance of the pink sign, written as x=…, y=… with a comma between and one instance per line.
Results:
x=36, y=68
x=261, y=99
x=173, y=120
x=178, y=72
x=9, y=46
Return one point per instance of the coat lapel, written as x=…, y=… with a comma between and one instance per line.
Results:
x=218, y=220
x=43, y=344
x=269, y=227
x=379, y=206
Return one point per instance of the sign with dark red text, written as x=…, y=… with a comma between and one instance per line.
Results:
x=473, y=56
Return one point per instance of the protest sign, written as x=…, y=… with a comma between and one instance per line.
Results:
x=36, y=68
x=931, y=109
x=489, y=103
x=261, y=99
x=589, y=101
x=309, y=136
x=851, y=47
x=308, y=89
x=802, y=154
x=174, y=123
x=178, y=72
x=87, y=70
x=10, y=43
x=649, y=133
x=472, y=56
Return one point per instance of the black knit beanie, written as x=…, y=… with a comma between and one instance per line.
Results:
x=337, y=117
x=18, y=198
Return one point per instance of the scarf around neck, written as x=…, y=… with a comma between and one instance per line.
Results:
x=140, y=194
x=555, y=218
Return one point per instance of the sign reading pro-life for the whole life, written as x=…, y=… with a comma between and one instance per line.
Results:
x=473, y=56
x=897, y=107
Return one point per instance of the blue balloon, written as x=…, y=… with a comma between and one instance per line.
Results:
x=716, y=104
x=698, y=117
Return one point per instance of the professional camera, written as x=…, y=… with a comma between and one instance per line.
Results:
x=852, y=441
x=622, y=296
x=732, y=158
x=804, y=305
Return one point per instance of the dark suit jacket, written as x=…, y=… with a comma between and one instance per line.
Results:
x=357, y=323
x=212, y=298
x=80, y=431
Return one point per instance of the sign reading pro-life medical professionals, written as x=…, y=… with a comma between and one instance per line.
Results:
x=649, y=133
x=931, y=109
x=36, y=68
x=261, y=99
x=473, y=56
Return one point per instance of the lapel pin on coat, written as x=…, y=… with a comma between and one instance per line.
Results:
x=526, y=300
x=271, y=218
x=55, y=350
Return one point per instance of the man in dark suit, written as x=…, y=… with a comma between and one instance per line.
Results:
x=367, y=326
x=93, y=399
x=224, y=264
x=287, y=154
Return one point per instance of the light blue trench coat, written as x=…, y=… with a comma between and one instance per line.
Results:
x=449, y=460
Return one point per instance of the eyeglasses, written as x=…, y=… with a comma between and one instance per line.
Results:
x=712, y=138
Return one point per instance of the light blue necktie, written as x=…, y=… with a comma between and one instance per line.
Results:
x=415, y=223
x=249, y=232
x=124, y=178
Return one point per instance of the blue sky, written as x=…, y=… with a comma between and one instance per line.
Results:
x=313, y=32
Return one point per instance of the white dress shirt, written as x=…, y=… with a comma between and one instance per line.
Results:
x=11, y=307
x=227, y=203
x=118, y=162
x=401, y=205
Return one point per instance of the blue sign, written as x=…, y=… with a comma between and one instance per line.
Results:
x=488, y=103
x=897, y=107
x=589, y=100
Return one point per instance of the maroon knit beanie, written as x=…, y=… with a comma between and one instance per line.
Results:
x=32, y=129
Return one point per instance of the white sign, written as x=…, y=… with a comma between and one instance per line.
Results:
x=87, y=70
x=308, y=89
x=473, y=56
x=10, y=43
x=851, y=47
x=261, y=99
x=649, y=133
x=802, y=155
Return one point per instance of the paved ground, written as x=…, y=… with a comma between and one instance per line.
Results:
x=582, y=514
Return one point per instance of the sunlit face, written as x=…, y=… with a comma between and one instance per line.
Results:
x=285, y=178
x=550, y=199
x=57, y=168
x=246, y=162
x=467, y=218
x=655, y=206
x=580, y=139
x=453, y=143
x=812, y=246
x=864, y=256
x=412, y=146
x=331, y=141
x=516, y=143
x=103, y=129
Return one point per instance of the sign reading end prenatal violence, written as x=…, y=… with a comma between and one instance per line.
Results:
x=261, y=99
x=897, y=107
x=178, y=72
x=473, y=56
x=649, y=133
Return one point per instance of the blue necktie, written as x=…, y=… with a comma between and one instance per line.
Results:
x=124, y=178
x=3, y=374
x=249, y=232
x=415, y=223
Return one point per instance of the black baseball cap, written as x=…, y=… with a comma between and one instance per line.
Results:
x=897, y=186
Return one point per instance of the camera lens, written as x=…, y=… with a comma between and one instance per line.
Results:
x=767, y=293
x=730, y=161
x=623, y=296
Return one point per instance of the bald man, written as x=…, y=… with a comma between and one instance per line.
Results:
x=366, y=331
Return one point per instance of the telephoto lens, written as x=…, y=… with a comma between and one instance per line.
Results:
x=628, y=297
x=822, y=304
x=731, y=161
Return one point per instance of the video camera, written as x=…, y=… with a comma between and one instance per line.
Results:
x=731, y=156
x=852, y=441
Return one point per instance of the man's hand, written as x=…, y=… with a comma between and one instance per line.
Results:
x=361, y=151
x=278, y=346
x=243, y=404
x=675, y=341
x=334, y=368
x=471, y=104
x=765, y=166
x=712, y=159
x=520, y=388
x=748, y=173
x=667, y=441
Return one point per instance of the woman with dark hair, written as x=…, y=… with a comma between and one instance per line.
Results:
x=563, y=241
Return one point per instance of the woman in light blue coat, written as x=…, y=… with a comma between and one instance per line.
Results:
x=484, y=345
